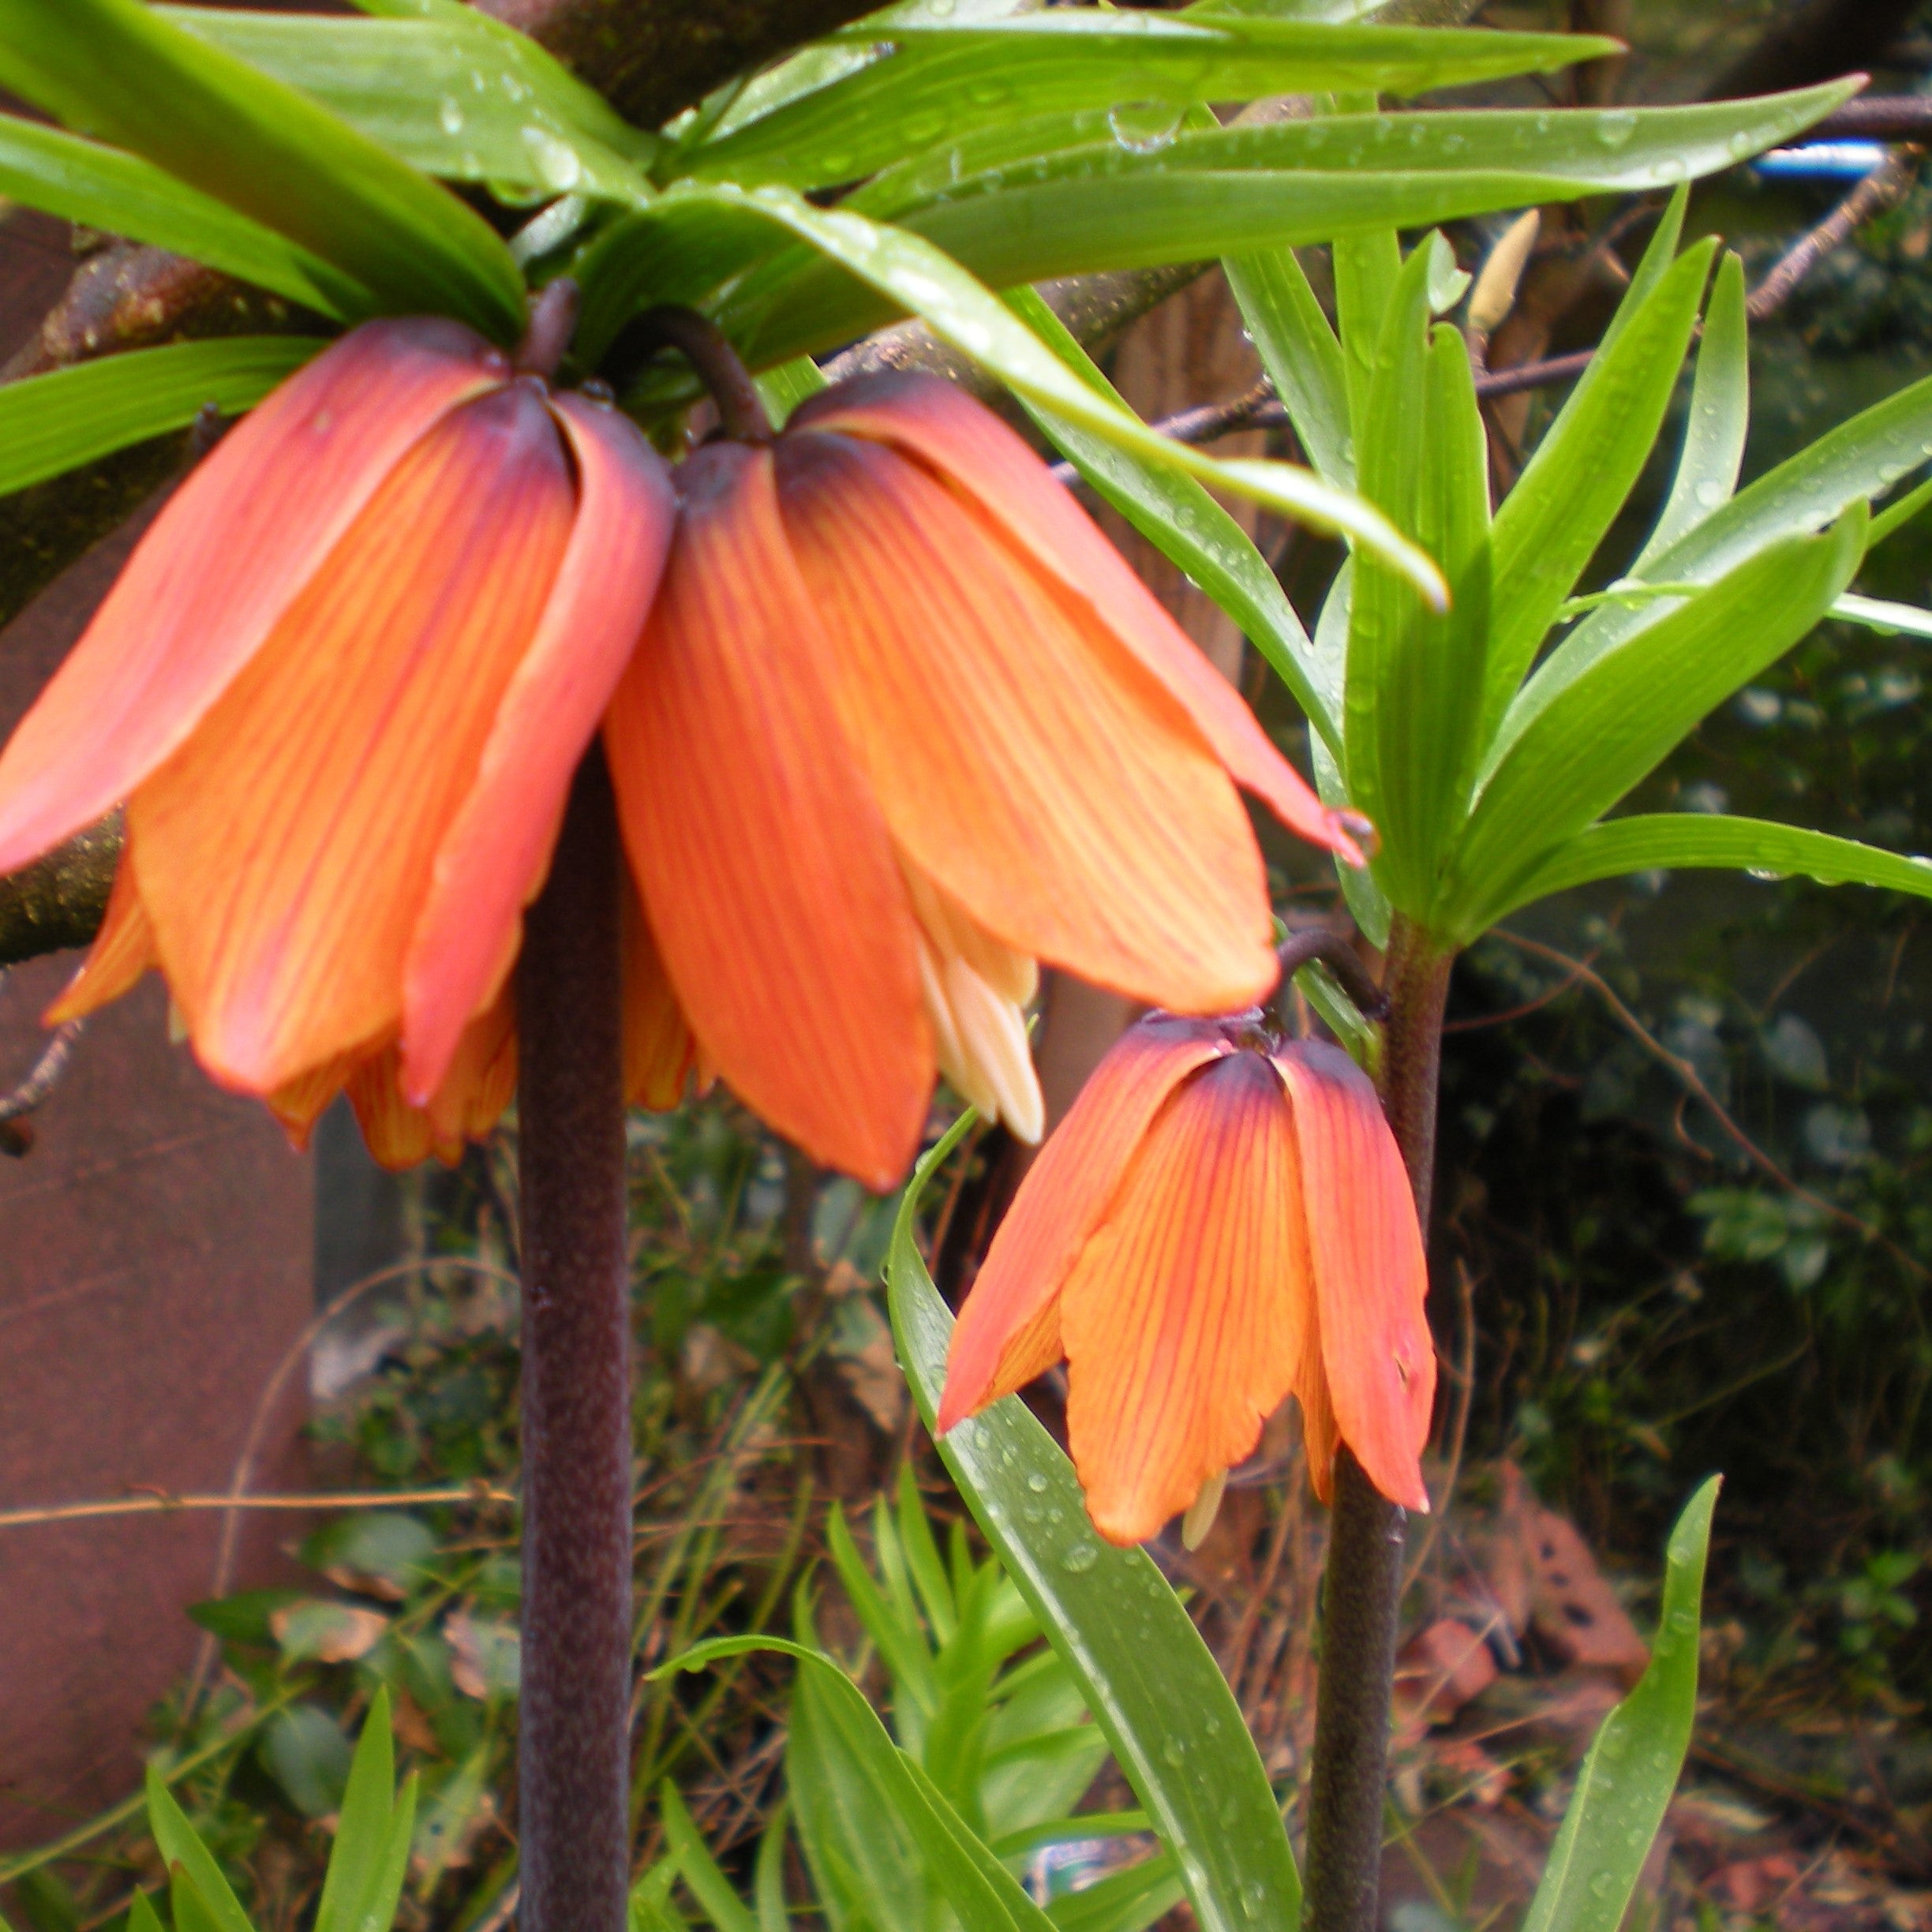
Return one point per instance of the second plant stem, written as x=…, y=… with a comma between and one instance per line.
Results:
x=1362, y=1588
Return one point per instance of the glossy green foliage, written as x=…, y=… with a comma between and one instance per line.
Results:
x=365, y=1869
x=122, y=72
x=1414, y=675
x=81, y=181
x=988, y=1749
x=944, y=82
x=1488, y=755
x=1625, y=1786
x=49, y=423
x=911, y=272
x=450, y=90
x=1142, y=1667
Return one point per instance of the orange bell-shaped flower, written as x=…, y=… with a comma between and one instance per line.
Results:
x=342, y=685
x=903, y=724
x=1221, y=1220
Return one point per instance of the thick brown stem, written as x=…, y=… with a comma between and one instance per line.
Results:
x=1361, y=1592
x=573, y=1814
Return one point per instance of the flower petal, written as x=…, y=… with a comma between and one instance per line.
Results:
x=285, y=852
x=1372, y=1279
x=480, y=1083
x=1185, y=1318
x=765, y=866
x=1027, y=765
x=1008, y=1332
x=497, y=851
x=968, y=447
x=302, y=1102
x=122, y=951
x=660, y=1055
x=223, y=561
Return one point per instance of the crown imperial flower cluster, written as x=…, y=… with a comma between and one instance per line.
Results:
x=1222, y=1219
x=889, y=724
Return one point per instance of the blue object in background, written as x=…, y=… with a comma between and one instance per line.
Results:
x=1845, y=160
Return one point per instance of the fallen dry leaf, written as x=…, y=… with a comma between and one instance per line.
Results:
x=327, y=1633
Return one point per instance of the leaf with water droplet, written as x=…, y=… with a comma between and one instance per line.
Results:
x=1606, y=1833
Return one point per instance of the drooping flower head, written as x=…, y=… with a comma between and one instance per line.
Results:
x=889, y=722
x=1221, y=1220
x=901, y=726
x=342, y=685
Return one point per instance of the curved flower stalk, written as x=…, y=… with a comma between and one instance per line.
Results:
x=342, y=685
x=1222, y=1219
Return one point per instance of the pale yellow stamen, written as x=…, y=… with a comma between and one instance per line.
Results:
x=178, y=1023
x=1202, y=1510
x=975, y=989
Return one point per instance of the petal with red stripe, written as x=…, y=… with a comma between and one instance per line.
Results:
x=767, y=875
x=1185, y=1318
x=285, y=852
x=1022, y=761
x=1371, y=1277
x=1008, y=1331
x=233, y=548
x=966, y=446
x=495, y=856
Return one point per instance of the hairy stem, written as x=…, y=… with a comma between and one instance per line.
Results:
x=572, y=1797
x=1361, y=1592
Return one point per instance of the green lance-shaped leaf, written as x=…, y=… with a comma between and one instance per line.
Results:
x=885, y=1785
x=768, y=1874
x=1698, y=840
x=449, y=91
x=192, y=1911
x=899, y=1639
x=1123, y=1901
x=921, y=280
x=1368, y=904
x=1881, y=615
x=81, y=181
x=118, y=70
x=1231, y=192
x=1415, y=676
x=1718, y=421
x=1854, y=463
x=366, y=1867
x=1625, y=1786
x=196, y=1873
x=1151, y=1683
x=1551, y=523
x=1177, y=516
x=1298, y=349
x=946, y=82
x=1573, y=744
x=1357, y=170
x=699, y=1870
x=56, y=422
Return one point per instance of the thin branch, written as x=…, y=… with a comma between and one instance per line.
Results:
x=1878, y=117
x=17, y=1137
x=163, y=1504
x=1884, y=187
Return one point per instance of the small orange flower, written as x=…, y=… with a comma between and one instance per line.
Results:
x=1220, y=1221
x=342, y=685
x=901, y=725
